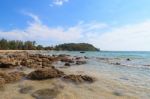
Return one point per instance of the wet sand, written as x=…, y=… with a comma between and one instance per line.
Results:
x=105, y=86
x=101, y=89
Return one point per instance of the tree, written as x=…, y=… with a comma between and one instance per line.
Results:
x=39, y=47
x=4, y=44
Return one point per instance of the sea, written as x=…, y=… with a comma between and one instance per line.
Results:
x=122, y=73
x=118, y=74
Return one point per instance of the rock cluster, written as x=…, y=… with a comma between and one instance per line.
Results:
x=42, y=65
x=73, y=61
x=45, y=73
x=9, y=60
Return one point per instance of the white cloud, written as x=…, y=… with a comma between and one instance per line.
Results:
x=36, y=30
x=128, y=37
x=58, y=2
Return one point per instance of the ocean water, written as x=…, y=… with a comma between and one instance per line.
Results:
x=116, y=77
x=129, y=78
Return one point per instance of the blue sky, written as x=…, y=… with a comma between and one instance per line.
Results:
x=108, y=24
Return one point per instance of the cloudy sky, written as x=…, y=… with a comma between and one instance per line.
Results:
x=108, y=24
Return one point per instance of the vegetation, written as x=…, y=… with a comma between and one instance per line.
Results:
x=31, y=45
x=17, y=45
x=76, y=47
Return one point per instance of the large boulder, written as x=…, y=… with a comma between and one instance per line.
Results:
x=45, y=73
x=79, y=78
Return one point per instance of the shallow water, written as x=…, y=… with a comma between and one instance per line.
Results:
x=129, y=80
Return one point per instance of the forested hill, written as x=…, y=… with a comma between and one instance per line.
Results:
x=31, y=45
x=76, y=47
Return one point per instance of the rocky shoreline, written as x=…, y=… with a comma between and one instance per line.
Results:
x=13, y=64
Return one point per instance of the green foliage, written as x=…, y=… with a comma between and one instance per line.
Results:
x=31, y=45
x=40, y=47
x=3, y=44
x=17, y=45
x=76, y=47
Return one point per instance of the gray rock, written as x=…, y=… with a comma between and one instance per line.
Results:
x=26, y=89
x=80, y=62
x=67, y=64
x=46, y=93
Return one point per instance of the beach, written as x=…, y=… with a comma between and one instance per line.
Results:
x=103, y=75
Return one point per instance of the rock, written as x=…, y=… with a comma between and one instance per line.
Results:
x=38, y=59
x=42, y=56
x=116, y=63
x=67, y=60
x=26, y=89
x=82, y=52
x=128, y=59
x=79, y=78
x=118, y=93
x=45, y=73
x=8, y=63
x=3, y=56
x=26, y=62
x=46, y=93
x=78, y=58
x=63, y=55
x=5, y=65
x=31, y=63
x=45, y=60
x=2, y=81
x=146, y=65
x=35, y=65
x=2, y=88
x=86, y=57
x=12, y=76
x=67, y=64
x=124, y=78
x=87, y=78
x=80, y=62
x=46, y=64
x=4, y=77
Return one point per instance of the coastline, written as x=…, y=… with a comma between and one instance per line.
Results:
x=110, y=80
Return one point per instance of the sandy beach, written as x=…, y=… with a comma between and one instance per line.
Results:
x=35, y=75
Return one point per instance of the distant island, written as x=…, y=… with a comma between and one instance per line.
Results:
x=76, y=47
x=31, y=45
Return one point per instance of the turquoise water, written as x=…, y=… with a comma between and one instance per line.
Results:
x=134, y=73
x=114, y=54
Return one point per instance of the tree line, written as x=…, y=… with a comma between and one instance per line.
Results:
x=31, y=45
x=20, y=45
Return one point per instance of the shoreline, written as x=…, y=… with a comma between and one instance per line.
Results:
x=101, y=81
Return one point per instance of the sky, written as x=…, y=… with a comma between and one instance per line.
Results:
x=113, y=25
